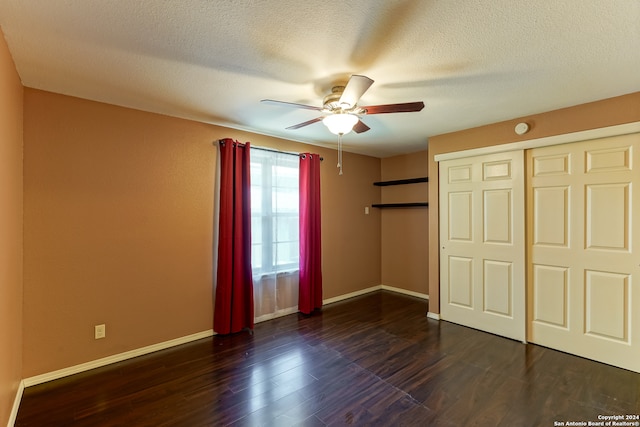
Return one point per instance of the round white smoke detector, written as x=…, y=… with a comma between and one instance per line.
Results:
x=522, y=128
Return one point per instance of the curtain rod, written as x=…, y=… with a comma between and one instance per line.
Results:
x=273, y=150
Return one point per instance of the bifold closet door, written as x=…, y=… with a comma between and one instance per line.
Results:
x=482, y=261
x=584, y=259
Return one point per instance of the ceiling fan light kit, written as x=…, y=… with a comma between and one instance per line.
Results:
x=340, y=124
x=341, y=110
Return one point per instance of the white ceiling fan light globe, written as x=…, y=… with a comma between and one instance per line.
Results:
x=340, y=124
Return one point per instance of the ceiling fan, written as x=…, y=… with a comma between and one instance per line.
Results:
x=341, y=112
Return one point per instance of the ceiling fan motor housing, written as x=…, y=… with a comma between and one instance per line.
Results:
x=331, y=102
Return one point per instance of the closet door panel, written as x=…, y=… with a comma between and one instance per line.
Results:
x=482, y=243
x=584, y=265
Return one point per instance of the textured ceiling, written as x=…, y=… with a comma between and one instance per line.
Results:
x=472, y=62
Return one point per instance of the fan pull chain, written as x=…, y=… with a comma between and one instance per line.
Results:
x=340, y=153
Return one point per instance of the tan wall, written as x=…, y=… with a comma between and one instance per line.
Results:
x=11, y=243
x=594, y=115
x=405, y=232
x=119, y=227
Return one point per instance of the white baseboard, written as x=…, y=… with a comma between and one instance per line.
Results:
x=404, y=292
x=435, y=316
x=16, y=405
x=373, y=289
x=351, y=295
x=50, y=376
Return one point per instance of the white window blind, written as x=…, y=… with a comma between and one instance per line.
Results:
x=274, y=212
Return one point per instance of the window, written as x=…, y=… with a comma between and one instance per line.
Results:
x=274, y=212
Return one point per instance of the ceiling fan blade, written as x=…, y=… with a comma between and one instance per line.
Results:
x=303, y=124
x=355, y=88
x=290, y=104
x=360, y=127
x=406, y=107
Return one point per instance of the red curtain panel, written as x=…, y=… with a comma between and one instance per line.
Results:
x=234, y=287
x=310, y=295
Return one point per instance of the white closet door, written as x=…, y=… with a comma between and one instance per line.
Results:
x=482, y=261
x=584, y=281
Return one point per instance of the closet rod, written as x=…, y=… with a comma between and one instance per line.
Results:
x=273, y=150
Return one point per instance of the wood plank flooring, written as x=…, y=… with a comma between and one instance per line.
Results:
x=374, y=360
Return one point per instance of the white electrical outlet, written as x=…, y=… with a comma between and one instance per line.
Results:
x=100, y=331
x=366, y=210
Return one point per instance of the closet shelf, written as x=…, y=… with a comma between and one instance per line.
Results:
x=401, y=181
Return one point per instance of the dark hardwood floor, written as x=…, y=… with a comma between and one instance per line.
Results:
x=372, y=360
